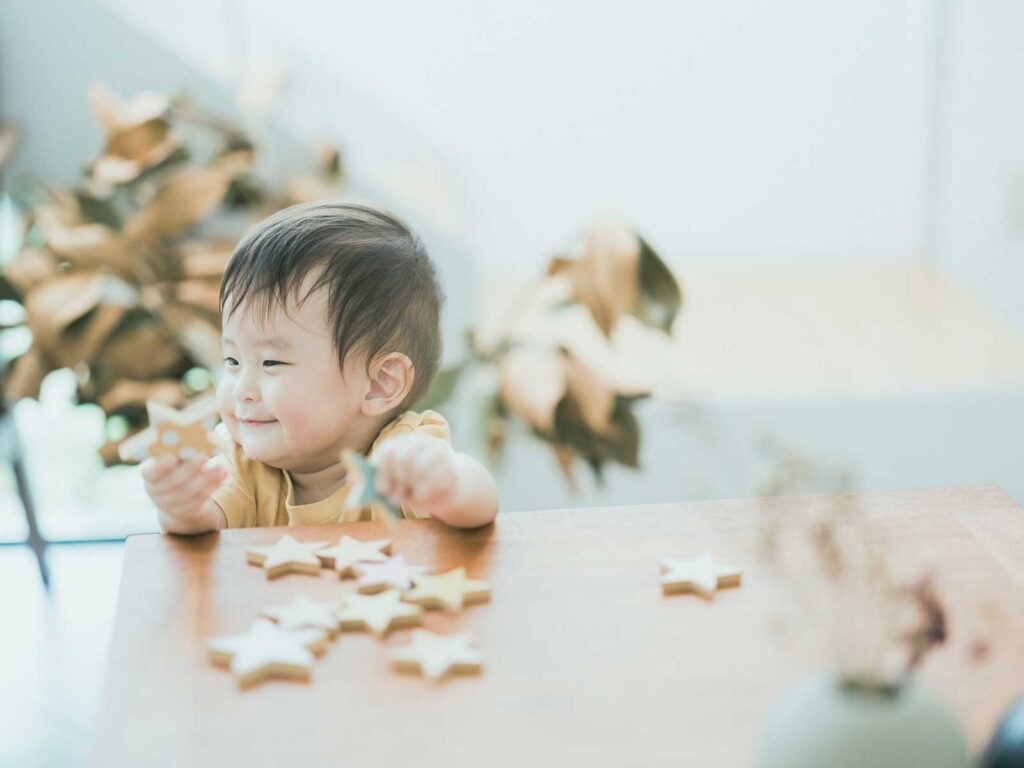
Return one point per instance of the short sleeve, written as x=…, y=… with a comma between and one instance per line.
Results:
x=235, y=499
x=429, y=423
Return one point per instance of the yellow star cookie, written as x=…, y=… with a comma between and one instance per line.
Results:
x=696, y=574
x=267, y=650
x=378, y=613
x=449, y=591
x=349, y=551
x=304, y=613
x=287, y=556
x=436, y=655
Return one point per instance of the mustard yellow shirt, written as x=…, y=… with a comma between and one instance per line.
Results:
x=256, y=495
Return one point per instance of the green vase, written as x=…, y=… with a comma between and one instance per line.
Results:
x=819, y=723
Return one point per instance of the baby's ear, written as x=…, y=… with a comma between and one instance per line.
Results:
x=391, y=378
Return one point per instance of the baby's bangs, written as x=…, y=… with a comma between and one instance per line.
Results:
x=259, y=298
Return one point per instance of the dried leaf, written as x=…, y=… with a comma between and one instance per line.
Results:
x=660, y=297
x=201, y=259
x=606, y=274
x=27, y=375
x=533, y=381
x=97, y=210
x=328, y=160
x=32, y=267
x=134, y=394
x=565, y=457
x=143, y=350
x=53, y=305
x=80, y=341
x=619, y=444
x=197, y=336
x=306, y=188
x=188, y=196
x=596, y=399
x=559, y=264
x=113, y=113
x=88, y=246
x=146, y=143
x=137, y=134
x=204, y=294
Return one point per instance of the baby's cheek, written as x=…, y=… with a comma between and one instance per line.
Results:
x=226, y=407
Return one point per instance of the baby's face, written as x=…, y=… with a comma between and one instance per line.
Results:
x=282, y=394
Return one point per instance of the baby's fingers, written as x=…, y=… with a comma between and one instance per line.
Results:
x=199, y=488
x=155, y=470
x=190, y=494
x=392, y=468
x=182, y=473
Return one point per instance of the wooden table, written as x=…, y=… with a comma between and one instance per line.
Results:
x=585, y=659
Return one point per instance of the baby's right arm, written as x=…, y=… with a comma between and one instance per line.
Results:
x=181, y=491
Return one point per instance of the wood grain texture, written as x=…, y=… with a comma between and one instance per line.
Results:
x=586, y=659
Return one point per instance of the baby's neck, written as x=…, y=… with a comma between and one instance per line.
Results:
x=316, y=484
x=311, y=487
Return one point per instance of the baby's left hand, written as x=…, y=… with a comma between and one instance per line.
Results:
x=417, y=470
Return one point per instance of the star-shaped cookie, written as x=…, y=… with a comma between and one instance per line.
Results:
x=378, y=613
x=449, y=591
x=304, y=613
x=696, y=574
x=361, y=477
x=287, y=556
x=267, y=650
x=394, y=573
x=343, y=556
x=184, y=434
x=436, y=655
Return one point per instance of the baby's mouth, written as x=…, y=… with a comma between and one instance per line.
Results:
x=256, y=422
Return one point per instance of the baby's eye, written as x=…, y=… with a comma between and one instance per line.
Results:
x=271, y=363
x=230, y=362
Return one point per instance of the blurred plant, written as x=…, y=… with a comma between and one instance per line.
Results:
x=119, y=275
x=542, y=377
x=881, y=630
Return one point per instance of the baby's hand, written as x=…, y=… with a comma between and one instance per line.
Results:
x=181, y=491
x=417, y=470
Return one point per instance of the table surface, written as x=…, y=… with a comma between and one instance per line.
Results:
x=585, y=658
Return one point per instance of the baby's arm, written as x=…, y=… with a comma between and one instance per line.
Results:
x=181, y=491
x=425, y=473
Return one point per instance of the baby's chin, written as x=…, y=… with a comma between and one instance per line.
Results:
x=273, y=454
x=262, y=448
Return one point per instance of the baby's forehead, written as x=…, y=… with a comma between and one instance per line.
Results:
x=270, y=317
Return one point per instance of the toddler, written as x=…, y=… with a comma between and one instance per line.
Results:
x=330, y=315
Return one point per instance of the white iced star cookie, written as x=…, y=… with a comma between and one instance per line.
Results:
x=267, y=650
x=435, y=656
x=378, y=613
x=287, y=556
x=343, y=556
x=696, y=574
x=304, y=613
x=393, y=573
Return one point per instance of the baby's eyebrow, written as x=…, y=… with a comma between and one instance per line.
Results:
x=276, y=342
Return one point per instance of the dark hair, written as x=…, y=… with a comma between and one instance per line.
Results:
x=383, y=292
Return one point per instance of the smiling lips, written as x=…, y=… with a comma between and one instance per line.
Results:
x=256, y=422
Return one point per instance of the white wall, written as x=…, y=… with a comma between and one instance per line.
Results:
x=979, y=231
x=743, y=130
